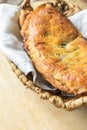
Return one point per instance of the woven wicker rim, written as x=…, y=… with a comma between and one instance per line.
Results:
x=56, y=100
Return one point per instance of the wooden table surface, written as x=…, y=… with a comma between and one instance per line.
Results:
x=22, y=109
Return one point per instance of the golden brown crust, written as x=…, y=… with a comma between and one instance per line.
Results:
x=57, y=49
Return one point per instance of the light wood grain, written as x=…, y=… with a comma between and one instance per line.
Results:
x=21, y=109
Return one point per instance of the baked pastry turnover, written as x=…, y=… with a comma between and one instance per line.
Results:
x=56, y=48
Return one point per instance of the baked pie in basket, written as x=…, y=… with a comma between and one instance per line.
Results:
x=58, y=52
x=57, y=49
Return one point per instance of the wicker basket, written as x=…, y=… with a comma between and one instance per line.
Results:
x=56, y=98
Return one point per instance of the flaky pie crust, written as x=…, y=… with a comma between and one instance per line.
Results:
x=57, y=49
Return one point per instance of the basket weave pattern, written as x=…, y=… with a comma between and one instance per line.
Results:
x=56, y=99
